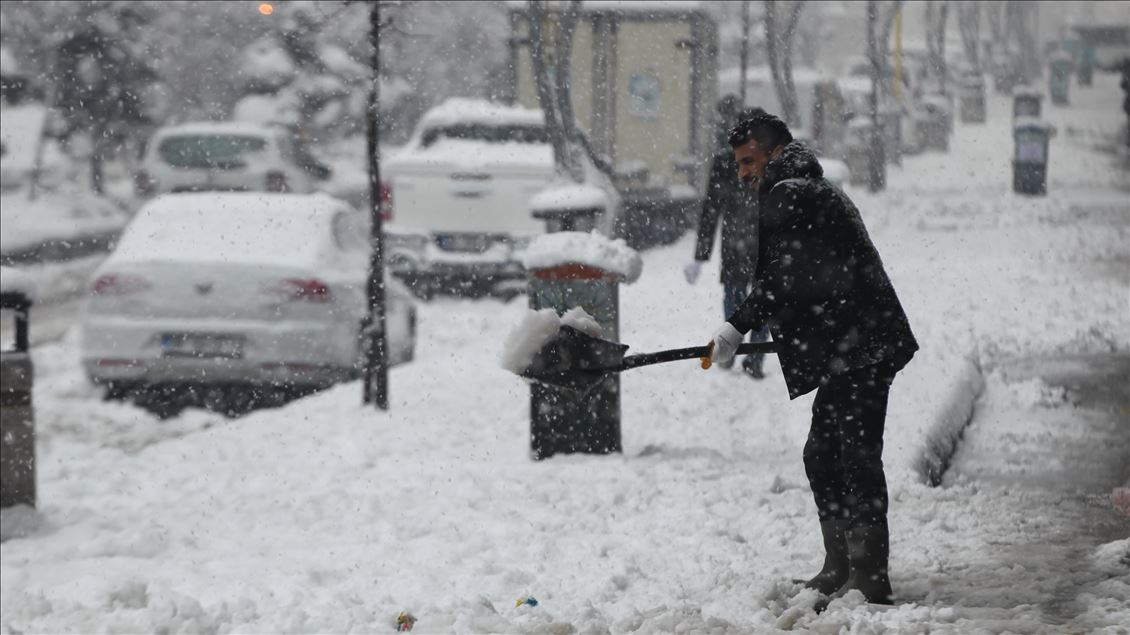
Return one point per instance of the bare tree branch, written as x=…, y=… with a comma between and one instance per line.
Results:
x=969, y=23
x=778, y=45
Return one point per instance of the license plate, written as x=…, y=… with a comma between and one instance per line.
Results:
x=201, y=345
x=464, y=242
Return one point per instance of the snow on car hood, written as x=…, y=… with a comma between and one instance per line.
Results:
x=470, y=155
x=233, y=228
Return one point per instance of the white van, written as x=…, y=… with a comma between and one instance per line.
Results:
x=456, y=198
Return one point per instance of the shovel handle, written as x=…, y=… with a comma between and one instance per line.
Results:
x=675, y=354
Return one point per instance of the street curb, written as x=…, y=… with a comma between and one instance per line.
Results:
x=945, y=431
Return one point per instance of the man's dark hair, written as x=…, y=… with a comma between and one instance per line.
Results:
x=766, y=129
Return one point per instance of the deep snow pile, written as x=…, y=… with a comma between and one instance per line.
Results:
x=536, y=330
x=327, y=516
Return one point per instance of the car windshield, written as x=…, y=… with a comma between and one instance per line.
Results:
x=209, y=151
x=489, y=133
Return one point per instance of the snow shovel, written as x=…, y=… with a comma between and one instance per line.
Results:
x=576, y=361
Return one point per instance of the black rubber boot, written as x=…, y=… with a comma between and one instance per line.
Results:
x=836, y=570
x=869, y=549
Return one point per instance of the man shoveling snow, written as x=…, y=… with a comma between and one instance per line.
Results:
x=840, y=329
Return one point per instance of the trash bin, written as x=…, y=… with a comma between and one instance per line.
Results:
x=1027, y=102
x=1030, y=161
x=568, y=270
x=890, y=126
x=858, y=150
x=17, y=415
x=973, y=98
x=1059, y=79
x=932, y=122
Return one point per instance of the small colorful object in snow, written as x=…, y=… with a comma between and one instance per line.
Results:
x=405, y=621
x=527, y=601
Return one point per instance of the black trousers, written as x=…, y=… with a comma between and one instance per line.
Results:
x=844, y=453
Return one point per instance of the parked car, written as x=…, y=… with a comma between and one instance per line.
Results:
x=227, y=156
x=236, y=290
x=456, y=197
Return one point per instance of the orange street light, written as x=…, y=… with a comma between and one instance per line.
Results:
x=266, y=8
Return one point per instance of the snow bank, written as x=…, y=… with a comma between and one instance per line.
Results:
x=536, y=329
x=16, y=281
x=938, y=439
x=594, y=250
x=572, y=196
x=66, y=215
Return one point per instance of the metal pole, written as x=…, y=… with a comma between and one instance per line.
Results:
x=375, y=375
x=877, y=176
x=744, y=49
x=898, y=55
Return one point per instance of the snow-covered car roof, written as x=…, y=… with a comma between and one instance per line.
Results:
x=626, y=6
x=255, y=228
x=242, y=128
x=460, y=110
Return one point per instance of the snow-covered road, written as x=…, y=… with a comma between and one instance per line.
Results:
x=325, y=516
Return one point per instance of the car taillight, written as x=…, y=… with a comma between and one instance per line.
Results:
x=144, y=184
x=276, y=182
x=310, y=290
x=386, y=202
x=118, y=284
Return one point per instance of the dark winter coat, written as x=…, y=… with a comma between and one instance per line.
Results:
x=820, y=287
x=730, y=201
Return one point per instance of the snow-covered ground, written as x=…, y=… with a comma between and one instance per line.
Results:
x=326, y=516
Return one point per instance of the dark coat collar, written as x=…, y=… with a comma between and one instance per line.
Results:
x=797, y=161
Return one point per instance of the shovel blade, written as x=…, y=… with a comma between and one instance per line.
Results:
x=575, y=361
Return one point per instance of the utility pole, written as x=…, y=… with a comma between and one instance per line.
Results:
x=744, y=50
x=375, y=371
x=877, y=164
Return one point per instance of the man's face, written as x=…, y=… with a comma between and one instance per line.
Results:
x=752, y=160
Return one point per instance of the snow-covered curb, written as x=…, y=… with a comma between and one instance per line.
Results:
x=946, y=423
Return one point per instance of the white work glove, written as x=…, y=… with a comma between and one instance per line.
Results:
x=692, y=270
x=725, y=343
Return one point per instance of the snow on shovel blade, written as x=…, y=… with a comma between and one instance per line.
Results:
x=575, y=361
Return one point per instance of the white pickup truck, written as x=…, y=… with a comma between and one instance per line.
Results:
x=456, y=198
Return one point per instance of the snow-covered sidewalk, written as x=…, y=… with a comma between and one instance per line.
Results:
x=326, y=516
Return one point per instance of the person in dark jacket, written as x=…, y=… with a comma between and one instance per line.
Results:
x=736, y=207
x=839, y=329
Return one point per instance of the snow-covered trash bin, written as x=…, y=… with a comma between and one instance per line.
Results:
x=568, y=206
x=1030, y=162
x=1027, y=101
x=567, y=271
x=17, y=416
x=932, y=122
x=1059, y=77
x=972, y=91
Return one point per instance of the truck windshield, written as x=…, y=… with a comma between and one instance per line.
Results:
x=208, y=151
x=489, y=133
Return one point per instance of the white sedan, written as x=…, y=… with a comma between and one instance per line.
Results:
x=236, y=289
